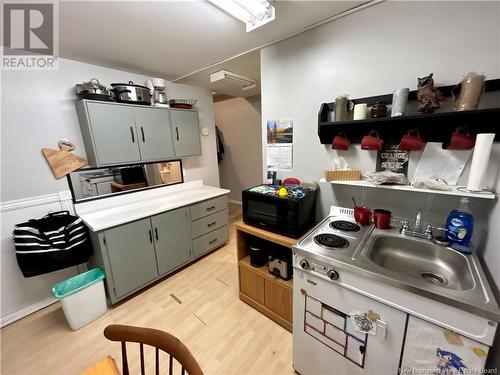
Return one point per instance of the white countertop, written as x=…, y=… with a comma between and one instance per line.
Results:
x=105, y=213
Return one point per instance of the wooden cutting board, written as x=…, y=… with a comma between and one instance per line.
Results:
x=62, y=161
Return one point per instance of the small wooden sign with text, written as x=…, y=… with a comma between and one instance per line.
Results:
x=390, y=158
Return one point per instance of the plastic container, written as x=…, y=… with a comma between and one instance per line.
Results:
x=460, y=225
x=82, y=297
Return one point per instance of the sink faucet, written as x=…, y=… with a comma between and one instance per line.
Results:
x=418, y=219
x=417, y=231
x=426, y=234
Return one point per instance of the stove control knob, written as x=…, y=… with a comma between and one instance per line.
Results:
x=333, y=275
x=304, y=264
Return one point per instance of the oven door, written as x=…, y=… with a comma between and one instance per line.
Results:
x=338, y=331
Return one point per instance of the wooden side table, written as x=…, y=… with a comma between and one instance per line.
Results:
x=265, y=292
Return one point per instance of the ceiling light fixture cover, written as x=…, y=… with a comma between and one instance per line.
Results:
x=233, y=78
x=254, y=13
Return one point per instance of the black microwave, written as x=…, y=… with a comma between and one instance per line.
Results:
x=289, y=212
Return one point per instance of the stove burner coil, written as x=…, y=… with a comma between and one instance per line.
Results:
x=344, y=225
x=331, y=241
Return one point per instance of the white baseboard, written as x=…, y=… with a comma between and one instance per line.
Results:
x=234, y=202
x=16, y=315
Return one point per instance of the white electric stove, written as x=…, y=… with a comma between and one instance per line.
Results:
x=345, y=322
x=336, y=330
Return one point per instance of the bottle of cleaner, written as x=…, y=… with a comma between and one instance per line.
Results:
x=460, y=224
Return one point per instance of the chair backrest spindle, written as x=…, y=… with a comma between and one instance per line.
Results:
x=143, y=372
x=157, y=361
x=124, y=358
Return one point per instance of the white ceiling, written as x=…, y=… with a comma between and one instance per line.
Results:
x=247, y=65
x=172, y=39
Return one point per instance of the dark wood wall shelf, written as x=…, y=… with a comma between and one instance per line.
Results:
x=434, y=127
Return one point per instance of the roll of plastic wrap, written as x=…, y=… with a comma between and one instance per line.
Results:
x=480, y=158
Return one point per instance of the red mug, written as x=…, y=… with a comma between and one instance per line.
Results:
x=371, y=141
x=340, y=142
x=362, y=215
x=461, y=139
x=411, y=141
x=382, y=218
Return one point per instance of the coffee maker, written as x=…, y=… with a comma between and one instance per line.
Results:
x=159, y=92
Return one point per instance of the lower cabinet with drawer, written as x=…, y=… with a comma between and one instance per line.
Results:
x=209, y=225
x=210, y=241
x=138, y=253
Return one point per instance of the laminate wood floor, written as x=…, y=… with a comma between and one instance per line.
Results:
x=225, y=335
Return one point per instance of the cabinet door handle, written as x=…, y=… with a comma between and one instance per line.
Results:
x=210, y=208
x=142, y=132
x=211, y=224
x=132, y=134
x=213, y=241
x=150, y=236
x=156, y=233
x=176, y=133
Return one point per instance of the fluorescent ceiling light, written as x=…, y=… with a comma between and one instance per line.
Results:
x=254, y=13
x=233, y=78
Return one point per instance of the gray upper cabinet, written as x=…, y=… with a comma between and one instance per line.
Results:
x=155, y=133
x=131, y=255
x=122, y=134
x=112, y=133
x=186, y=132
x=172, y=238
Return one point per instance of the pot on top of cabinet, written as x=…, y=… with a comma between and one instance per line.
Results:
x=94, y=90
x=131, y=93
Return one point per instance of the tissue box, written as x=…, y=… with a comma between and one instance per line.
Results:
x=346, y=175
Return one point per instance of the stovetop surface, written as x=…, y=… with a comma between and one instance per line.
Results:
x=336, y=237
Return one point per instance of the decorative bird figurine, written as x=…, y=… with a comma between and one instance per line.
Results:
x=428, y=96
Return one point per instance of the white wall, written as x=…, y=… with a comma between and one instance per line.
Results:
x=21, y=296
x=374, y=52
x=38, y=110
x=239, y=120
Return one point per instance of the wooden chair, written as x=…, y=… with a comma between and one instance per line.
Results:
x=160, y=340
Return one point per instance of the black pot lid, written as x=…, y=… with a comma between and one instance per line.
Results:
x=130, y=83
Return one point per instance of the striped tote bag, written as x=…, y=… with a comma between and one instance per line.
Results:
x=56, y=241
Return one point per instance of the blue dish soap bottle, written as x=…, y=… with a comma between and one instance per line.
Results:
x=460, y=225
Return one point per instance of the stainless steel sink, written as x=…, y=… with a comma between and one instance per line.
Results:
x=421, y=260
x=411, y=264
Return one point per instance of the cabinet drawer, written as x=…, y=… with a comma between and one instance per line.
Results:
x=252, y=285
x=210, y=241
x=278, y=299
x=208, y=207
x=209, y=223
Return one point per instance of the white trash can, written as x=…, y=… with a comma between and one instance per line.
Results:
x=82, y=297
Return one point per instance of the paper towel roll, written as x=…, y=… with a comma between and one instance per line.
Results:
x=480, y=158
